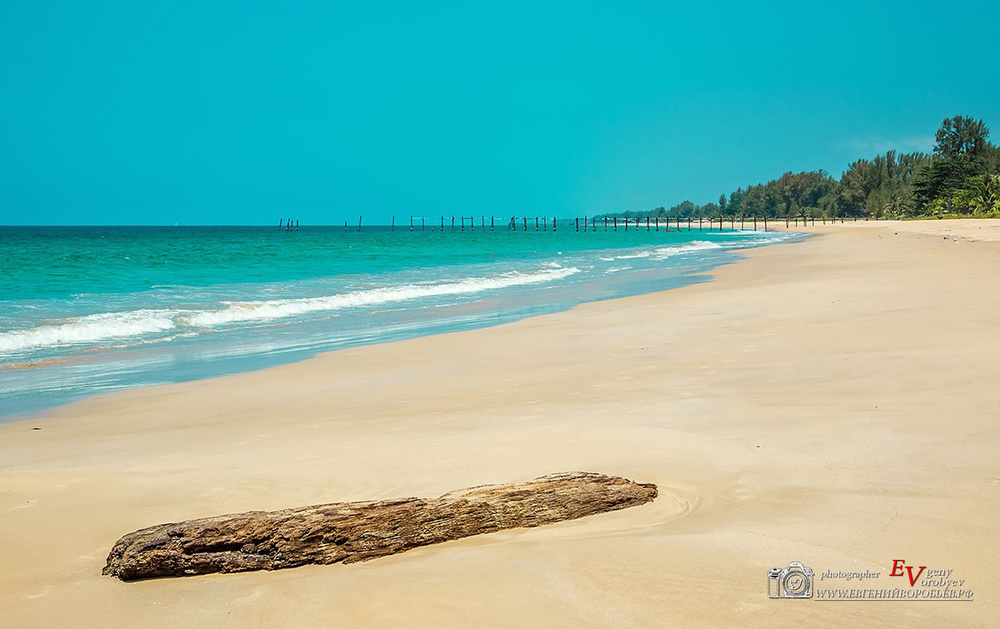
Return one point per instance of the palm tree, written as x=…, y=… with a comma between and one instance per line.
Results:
x=987, y=197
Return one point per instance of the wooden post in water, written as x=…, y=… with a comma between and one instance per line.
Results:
x=765, y=222
x=452, y=223
x=491, y=223
x=616, y=223
x=553, y=223
x=296, y=224
x=699, y=223
x=577, y=223
x=463, y=223
x=657, y=222
x=281, y=222
x=786, y=221
x=584, y=223
x=525, y=223
x=536, y=223
x=755, y=222
x=359, y=222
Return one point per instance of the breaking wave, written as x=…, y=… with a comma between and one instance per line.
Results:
x=139, y=323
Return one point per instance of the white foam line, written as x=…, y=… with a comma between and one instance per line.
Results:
x=116, y=325
x=277, y=308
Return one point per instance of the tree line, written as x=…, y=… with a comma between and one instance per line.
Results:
x=960, y=178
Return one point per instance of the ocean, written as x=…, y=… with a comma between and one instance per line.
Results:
x=88, y=310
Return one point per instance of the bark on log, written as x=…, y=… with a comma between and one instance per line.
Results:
x=358, y=531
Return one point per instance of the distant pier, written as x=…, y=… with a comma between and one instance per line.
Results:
x=585, y=224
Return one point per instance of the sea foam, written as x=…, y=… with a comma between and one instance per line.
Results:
x=278, y=308
x=90, y=328
x=138, y=323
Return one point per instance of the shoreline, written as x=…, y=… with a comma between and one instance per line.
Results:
x=249, y=362
x=828, y=402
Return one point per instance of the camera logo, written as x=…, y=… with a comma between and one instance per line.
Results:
x=795, y=581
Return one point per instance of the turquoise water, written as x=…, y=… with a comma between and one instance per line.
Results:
x=86, y=310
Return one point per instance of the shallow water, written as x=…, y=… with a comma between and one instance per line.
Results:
x=86, y=310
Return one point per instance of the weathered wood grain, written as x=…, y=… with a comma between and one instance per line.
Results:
x=358, y=531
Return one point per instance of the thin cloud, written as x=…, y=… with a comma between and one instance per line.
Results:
x=877, y=145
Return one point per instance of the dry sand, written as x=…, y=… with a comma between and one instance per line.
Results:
x=833, y=402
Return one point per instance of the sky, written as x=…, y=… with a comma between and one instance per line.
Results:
x=242, y=113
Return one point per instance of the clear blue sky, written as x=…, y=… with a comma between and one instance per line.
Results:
x=138, y=112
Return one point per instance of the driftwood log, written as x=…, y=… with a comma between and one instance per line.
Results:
x=357, y=531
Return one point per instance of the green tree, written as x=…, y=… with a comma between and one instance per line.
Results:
x=942, y=178
x=986, y=198
x=961, y=136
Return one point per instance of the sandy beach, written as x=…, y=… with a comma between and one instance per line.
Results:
x=832, y=401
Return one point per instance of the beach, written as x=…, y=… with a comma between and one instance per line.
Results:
x=831, y=401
